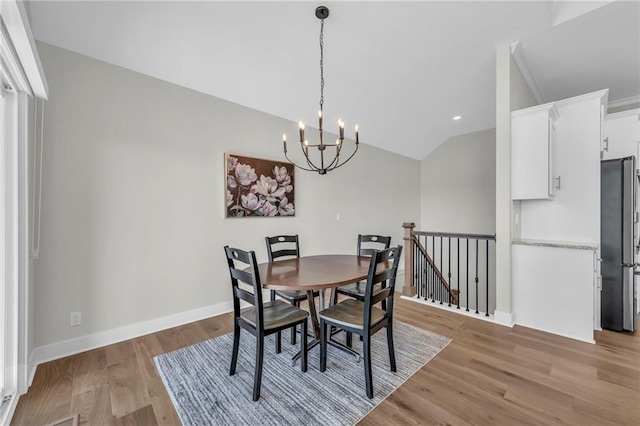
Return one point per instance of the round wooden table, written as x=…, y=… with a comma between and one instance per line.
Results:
x=311, y=273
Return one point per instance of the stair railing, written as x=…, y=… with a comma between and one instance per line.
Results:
x=452, y=268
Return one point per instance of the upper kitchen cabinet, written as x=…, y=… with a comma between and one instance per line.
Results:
x=532, y=140
x=621, y=134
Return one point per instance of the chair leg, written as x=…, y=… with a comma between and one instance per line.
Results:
x=392, y=352
x=236, y=345
x=366, y=351
x=294, y=328
x=303, y=346
x=349, y=338
x=257, y=379
x=278, y=342
x=323, y=345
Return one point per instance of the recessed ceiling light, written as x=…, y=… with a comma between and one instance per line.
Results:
x=457, y=117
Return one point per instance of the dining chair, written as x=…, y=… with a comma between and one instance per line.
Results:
x=281, y=246
x=367, y=244
x=362, y=317
x=262, y=319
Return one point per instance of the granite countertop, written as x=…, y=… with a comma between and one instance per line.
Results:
x=557, y=244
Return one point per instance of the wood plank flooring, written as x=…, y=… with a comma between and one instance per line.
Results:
x=488, y=374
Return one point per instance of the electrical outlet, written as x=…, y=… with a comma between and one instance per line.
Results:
x=75, y=319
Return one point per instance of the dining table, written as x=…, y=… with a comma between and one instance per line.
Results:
x=310, y=273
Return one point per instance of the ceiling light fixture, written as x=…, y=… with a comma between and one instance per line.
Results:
x=457, y=117
x=322, y=12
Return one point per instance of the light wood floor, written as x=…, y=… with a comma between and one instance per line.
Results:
x=488, y=375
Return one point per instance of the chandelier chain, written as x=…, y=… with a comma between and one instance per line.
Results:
x=321, y=63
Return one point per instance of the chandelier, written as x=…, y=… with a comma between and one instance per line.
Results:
x=332, y=161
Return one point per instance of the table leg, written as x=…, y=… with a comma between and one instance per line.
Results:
x=314, y=314
x=315, y=322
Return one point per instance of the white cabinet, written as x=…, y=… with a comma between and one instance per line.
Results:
x=553, y=288
x=532, y=140
x=622, y=134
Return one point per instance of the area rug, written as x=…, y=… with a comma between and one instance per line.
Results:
x=197, y=379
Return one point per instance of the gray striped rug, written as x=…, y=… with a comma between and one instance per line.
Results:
x=197, y=379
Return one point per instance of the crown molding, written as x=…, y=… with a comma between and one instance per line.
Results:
x=624, y=102
x=518, y=57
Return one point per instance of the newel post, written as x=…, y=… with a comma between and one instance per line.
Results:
x=408, y=289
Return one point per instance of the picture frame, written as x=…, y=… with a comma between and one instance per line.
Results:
x=258, y=187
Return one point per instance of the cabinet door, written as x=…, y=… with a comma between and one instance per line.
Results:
x=531, y=156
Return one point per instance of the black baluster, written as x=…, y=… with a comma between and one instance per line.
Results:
x=449, y=275
x=467, y=274
x=423, y=273
x=487, y=285
x=433, y=280
x=477, y=276
x=441, y=283
x=458, y=273
x=416, y=267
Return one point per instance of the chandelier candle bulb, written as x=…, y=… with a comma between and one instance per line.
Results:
x=284, y=141
x=341, y=125
x=301, y=125
x=356, y=128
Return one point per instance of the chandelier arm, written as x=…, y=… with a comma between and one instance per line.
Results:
x=314, y=168
x=347, y=160
x=295, y=165
x=336, y=160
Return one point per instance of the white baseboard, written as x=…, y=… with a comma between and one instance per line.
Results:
x=65, y=348
x=504, y=318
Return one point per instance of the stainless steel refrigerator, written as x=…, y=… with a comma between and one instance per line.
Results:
x=617, y=239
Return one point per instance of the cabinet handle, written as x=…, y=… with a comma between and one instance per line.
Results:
x=606, y=144
x=558, y=182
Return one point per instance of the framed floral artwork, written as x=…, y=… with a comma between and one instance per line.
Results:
x=259, y=187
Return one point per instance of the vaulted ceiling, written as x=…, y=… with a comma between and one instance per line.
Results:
x=401, y=70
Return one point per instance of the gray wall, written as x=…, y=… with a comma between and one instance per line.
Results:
x=133, y=214
x=458, y=185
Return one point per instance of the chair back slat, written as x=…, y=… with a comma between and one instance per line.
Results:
x=383, y=276
x=380, y=296
x=281, y=246
x=245, y=295
x=285, y=252
x=367, y=244
x=243, y=267
x=243, y=276
x=383, y=268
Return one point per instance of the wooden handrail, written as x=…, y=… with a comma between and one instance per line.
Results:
x=454, y=235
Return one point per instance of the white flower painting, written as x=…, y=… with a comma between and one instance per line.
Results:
x=258, y=187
